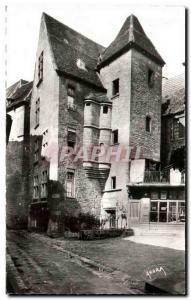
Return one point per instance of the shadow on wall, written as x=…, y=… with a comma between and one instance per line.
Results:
x=16, y=212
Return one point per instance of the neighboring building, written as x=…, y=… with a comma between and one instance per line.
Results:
x=107, y=101
x=161, y=194
x=17, y=156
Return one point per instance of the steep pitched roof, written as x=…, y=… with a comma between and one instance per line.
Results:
x=173, y=92
x=19, y=95
x=11, y=89
x=73, y=53
x=130, y=35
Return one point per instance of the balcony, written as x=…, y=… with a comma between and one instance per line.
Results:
x=157, y=177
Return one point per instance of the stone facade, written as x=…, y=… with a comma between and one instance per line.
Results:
x=86, y=102
x=17, y=157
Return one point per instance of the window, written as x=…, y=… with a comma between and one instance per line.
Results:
x=37, y=112
x=45, y=140
x=36, y=150
x=35, y=187
x=181, y=127
x=71, y=97
x=71, y=138
x=163, y=195
x=115, y=87
x=88, y=104
x=148, y=124
x=40, y=67
x=150, y=78
x=154, y=195
x=113, y=182
x=44, y=184
x=105, y=109
x=115, y=136
x=70, y=184
x=178, y=128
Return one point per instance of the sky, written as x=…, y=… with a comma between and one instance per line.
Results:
x=164, y=25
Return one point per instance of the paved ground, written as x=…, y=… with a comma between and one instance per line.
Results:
x=173, y=242
x=45, y=270
x=129, y=264
x=160, y=236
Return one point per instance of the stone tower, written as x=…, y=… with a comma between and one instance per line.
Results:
x=131, y=71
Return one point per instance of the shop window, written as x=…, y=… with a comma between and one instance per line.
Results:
x=172, y=214
x=70, y=184
x=163, y=195
x=115, y=87
x=173, y=195
x=154, y=195
x=113, y=182
x=163, y=212
x=181, y=212
x=154, y=211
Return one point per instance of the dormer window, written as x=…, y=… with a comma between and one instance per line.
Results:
x=150, y=78
x=115, y=87
x=81, y=64
x=105, y=109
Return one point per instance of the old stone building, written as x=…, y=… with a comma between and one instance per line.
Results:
x=18, y=153
x=95, y=131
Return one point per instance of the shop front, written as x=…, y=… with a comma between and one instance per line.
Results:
x=157, y=205
x=170, y=211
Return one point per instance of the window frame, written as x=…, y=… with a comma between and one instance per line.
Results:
x=37, y=112
x=105, y=109
x=113, y=183
x=44, y=184
x=36, y=151
x=150, y=78
x=36, y=187
x=71, y=141
x=40, y=67
x=71, y=91
x=71, y=193
x=116, y=131
x=115, y=87
x=148, y=126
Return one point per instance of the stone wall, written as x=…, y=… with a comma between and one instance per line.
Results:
x=145, y=101
x=17, y=168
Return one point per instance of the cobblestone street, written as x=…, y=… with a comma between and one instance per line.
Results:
x=41, y=269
